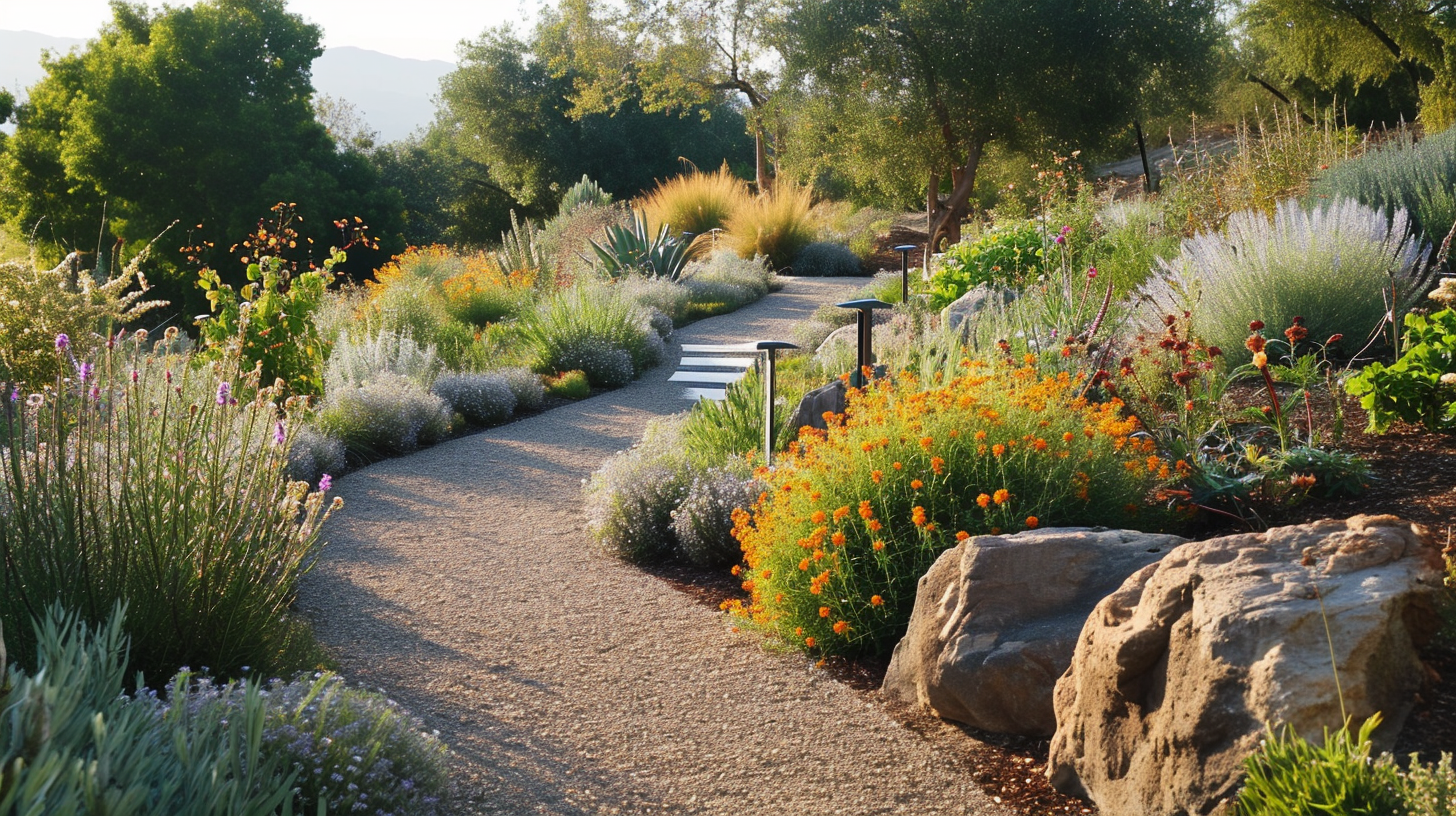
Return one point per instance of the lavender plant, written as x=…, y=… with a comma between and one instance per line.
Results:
x=630, y=500
x=313, y=455
x=703, y=522
x=159, y=482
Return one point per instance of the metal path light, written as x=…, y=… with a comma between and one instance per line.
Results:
x=770, y=348
x=904, y=250
x=864, y=322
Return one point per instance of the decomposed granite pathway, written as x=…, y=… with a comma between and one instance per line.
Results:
x=460, y=580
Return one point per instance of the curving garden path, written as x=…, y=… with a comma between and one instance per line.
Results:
x=460, y=580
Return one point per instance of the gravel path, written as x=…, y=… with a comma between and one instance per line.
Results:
x=460, y=580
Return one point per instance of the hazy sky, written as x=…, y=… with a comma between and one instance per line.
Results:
x=420, y=29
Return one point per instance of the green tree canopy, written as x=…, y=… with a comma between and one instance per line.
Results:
x=200, y=115
x=954, y=75
x=1404, y=49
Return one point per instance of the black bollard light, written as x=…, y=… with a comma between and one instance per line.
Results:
x=904, y=250
x=864, y=323
x=770, y=348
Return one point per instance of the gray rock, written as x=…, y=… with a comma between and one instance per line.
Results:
x=811, y=409
x=1177, y=672
x=996, y=621
x=980, y=297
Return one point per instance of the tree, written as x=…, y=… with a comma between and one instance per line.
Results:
x=508, y=124
x=679, y=56
x=956, y=75
x=200, y=115
x=1350, y=44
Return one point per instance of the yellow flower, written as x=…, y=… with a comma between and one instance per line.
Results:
x=1261, y=360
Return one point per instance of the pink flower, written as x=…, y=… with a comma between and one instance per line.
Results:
x=278, y=433
x=325, y=482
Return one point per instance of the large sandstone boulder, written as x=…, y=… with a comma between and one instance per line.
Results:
x=826, y=399
x=976, y=299
x=996, y=620
x=1178, y=671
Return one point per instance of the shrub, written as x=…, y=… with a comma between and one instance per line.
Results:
x=90, y=468
x=1290, y=776
x=824, y=259
x=858, y=228
x=36, y=305
x=483, y=399
x=725, y=267
x=357, y=360
x=630, y=500
x=341, y=311
x=387, y=414
x=1420, y=386
x=240, y=749
x=313, y=454
x=480, y=295
x=585, y=325
x=776, y=226
x=410, y=307
x=584, y=193
x=521, y=255
x=696, y=202
x=660, y=294
x=703, y=522
x=715, y=432
x=571, y=385
x=1004, y=255
x=850, y=519
x=1334, y=266
x=566, y=239
x=526, y=385
x=1430, y=790
x=1417, y=177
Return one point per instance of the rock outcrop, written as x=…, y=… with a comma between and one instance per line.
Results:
x=996, y=620
x=1178, y=671
x=979, y=297
x=815, y=404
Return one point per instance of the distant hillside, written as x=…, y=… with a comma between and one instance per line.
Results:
x=395, y=95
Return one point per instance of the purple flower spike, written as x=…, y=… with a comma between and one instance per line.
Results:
x=279, y=434
x=224, y=392
x=325, y=482
x=15, y=393
x=62, y=342
x=83, y=372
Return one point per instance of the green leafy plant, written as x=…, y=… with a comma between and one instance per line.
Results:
x=1291, y=776
x=160, y=483
x=633, y=249
x=572, y=385
x=716, y=431
x=585, y=324
x=1420, y=386
x=269, y=321
x=584, y=193
x=1003, y=256
x=521, y=253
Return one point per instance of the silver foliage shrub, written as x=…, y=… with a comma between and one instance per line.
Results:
x=668, y=297
x=389, y=414
x=1334, y=265
x=725, y=267
x=356, y=359
x=605, y=365
x=483, y=399
x=526, y=385
x=703, y=522
x=631, y=498
x=313, y=454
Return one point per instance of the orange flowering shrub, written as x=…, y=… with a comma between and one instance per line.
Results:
x=851, y=518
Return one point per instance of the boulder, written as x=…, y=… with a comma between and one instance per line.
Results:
x=996, y=620
x=824, y=399
x=979, y=297
x=1178, y=671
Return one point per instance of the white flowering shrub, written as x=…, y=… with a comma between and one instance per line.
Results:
x=387, y=415
x=356, y=359
x=666, y=296
x=483, y=399
x=703, y=522
x=630, y=500
x=313, y=454
x=526, y=385
x=725, y=267
x=1334, y=265
x=604, y=365
x=730, y=295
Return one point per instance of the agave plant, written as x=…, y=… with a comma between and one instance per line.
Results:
x=633, y=248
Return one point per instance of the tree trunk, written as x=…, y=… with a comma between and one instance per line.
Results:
x=760, y=163
x=946, y=220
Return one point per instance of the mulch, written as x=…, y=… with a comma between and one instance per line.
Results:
x=1414, y=478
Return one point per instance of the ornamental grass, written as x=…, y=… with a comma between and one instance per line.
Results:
x=696, y=202
x=849, y=519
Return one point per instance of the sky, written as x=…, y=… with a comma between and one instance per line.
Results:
x=416, y=29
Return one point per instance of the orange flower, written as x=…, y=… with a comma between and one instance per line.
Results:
x=809, y=641
x=876, y=600
x=998, y=449
x=995, y=531
x=877, y=476
x=925, y=442
x=980, y=436
x=874, y=525
x=804, y=564
x=799, y=630
x=917, y=515
x=983, y=500
x=767, y=574
x=823, y=611
x=817, y=517
x=736, y=569
x=878, y=545
x=813, y=497
x=1040, y=444
x=962, y=535
x=841, y=513
x=1068, y=437
x=916, y=484
x=865, y=512
x=937, y=464
x=1001, y=496
x=840, y=627
x=1032, y=521
x=837, y=539
x=897, y=466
